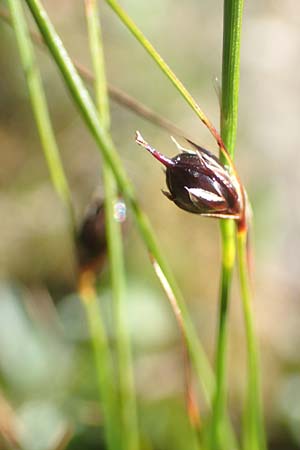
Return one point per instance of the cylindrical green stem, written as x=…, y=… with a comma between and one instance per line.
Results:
x=254, y=430
x=128, y=413
x=220, y=398
x=104, y=368
x=232, y=24
x=254, y=435
x=229, y=116
x=59, y=180
x=128, y=407
x=39, y=106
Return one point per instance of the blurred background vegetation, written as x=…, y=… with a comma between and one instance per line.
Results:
x=48, y=384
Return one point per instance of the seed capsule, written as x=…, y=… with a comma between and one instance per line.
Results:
x=199, y=183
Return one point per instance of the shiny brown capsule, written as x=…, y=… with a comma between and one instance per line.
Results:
x=199, y=183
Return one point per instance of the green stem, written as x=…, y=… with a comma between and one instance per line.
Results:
x=104, y=368
x=129, y=429
x=254, y=429
x=39, y=104
x=229, y=116
x=232, y=25
x=220, y=397
x=85, y=105
x=39, y=107
x=254, y=435
x=128, y=407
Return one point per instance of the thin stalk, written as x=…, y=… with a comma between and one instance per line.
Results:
x=128, y=413
x=254, y=429
x=89, y=113
x=232, y=26
x=116, y=94
x=40, y=108
x=191, y=400
x=103, y=360
x=220, y=396
x=254, y=434
x=232, y=22
x=60, y=183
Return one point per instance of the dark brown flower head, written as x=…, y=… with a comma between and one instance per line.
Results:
x=199, y=183
x=91, y=239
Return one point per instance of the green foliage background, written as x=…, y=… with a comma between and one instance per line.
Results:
x=47, y=374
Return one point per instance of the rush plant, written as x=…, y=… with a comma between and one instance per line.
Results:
x=198, y=182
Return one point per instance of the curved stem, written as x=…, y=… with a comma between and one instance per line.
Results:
x=191, y=401
x=88, y=111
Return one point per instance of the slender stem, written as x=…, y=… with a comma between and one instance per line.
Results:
x=191, y=401
x=39, y=107
x=87, y=294
x=220, y=397
x=96, y=47
x=229, y=116
x=86, y=107
x=129, y=428
x=254, y=429
x=232, y=25
x=254, y=435
x=103, y=360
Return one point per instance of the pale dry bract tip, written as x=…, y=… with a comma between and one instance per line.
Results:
x=180, y=148
x=139, y=139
